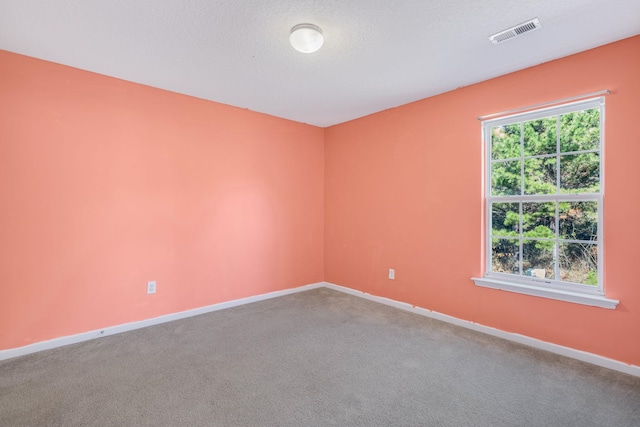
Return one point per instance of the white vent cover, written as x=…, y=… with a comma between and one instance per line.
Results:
x=516, y=31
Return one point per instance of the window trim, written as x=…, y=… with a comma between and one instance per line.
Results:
x=553, y=289
x=550, y=293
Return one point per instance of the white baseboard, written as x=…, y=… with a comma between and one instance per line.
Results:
x=521, y=339
x=112, y=330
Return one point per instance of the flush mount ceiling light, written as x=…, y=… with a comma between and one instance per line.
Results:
x=306, y=38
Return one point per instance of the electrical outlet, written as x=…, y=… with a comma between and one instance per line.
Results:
x=392, y=274
x=151, y=287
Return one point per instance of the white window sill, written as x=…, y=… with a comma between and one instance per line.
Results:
x=574, y=297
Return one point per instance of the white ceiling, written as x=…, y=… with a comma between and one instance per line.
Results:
x=377, y=54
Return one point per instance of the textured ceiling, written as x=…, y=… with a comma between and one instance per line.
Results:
x=377, y=54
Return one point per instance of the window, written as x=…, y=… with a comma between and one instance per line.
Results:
x=544, y=185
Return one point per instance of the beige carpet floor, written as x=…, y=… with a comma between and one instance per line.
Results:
x=315, y=358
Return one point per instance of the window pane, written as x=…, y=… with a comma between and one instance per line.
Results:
x=539, y=219
x=504, y=256
x=580, y=173
x=505, y=219
x=505, y=142
x=505, y=178
x=540, y=136
x=580, y=130
x=579, y=263
x=537, y=258
x=578, y=220
x=540, y=176
x=535, y=167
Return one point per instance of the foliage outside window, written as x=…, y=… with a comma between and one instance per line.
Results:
x=544, y=197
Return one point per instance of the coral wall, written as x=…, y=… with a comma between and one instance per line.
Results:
x=404, y=190
x=106, y=185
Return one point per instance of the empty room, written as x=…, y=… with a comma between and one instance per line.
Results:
x=319, y=213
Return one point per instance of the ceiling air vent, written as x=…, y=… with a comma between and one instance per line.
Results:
x=516, y=31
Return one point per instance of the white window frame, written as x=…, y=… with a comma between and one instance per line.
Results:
x=546, y=288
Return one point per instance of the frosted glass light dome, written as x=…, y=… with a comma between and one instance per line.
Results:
x=306, y=38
